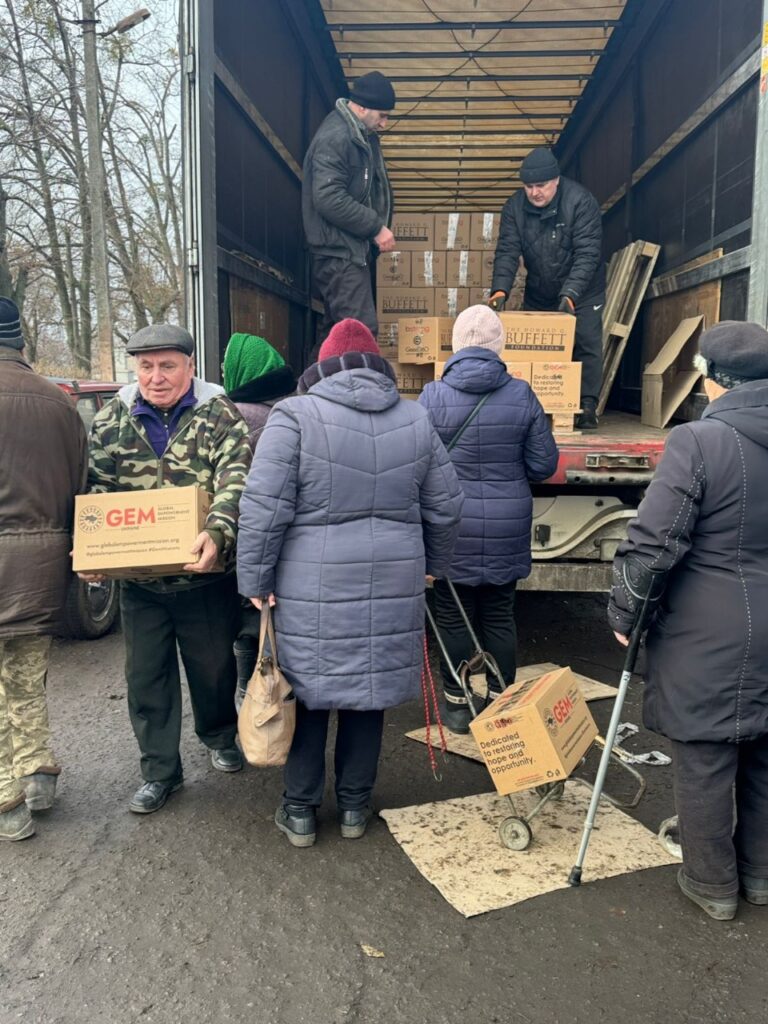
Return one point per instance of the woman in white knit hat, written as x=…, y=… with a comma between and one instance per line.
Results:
x=499, y=440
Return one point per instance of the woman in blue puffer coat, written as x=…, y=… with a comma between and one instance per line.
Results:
x=351, y=501
x=506, y=444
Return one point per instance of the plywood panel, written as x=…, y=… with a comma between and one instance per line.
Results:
x=662, y=315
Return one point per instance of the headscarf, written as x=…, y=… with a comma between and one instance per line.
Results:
x=247, y=357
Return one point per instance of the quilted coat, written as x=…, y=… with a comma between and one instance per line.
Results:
x=350, y=501
x=703, y=519
x=508, y=444
x=560, y=244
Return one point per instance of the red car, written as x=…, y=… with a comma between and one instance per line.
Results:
x=91, y=608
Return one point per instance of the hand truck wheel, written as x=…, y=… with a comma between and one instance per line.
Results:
x=515, y=834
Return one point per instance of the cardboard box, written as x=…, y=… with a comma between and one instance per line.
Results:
x=484, y=231
x=453, y=230
x=387, y=336
x=522, y=371
x=450, y=301
x=536, y=732
x=421, y=339
x=411, y=378
x=414, y=231
x=671, y=377
x=465, y=270
x=557, y=386
x=400, y=302
x=138, y=533
x=535, y=337
x=479, y=296
x=393, y=269
x=428, y=269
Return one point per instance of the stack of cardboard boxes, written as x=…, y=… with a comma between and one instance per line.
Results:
x=444, y=263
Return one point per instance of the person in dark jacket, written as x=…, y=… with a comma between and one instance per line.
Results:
x=555, y=225
x=255, y=378
x=44, y=465
x=346, y=201
x=350, y=502
x=703, y=523
x=507, y=443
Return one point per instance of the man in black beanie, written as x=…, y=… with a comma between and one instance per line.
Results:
x=554, y=224
x=347, y=201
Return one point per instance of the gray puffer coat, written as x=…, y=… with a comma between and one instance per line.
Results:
x=704, y=520
x=350, y=501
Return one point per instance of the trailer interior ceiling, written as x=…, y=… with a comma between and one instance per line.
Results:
x=478, y=84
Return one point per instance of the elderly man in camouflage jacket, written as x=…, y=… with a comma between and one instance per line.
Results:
x=172, y=429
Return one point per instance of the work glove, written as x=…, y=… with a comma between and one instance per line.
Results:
x=567, y=305
x=497, y=300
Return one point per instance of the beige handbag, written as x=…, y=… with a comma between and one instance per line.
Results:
x=267, y=718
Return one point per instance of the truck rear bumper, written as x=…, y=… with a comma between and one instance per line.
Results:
x=569, y=576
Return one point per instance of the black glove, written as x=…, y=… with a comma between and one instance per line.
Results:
x=639, y=582
x=567, y=305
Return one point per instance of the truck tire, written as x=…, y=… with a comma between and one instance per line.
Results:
x=91, y=608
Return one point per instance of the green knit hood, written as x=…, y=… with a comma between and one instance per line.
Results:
x=246, y=358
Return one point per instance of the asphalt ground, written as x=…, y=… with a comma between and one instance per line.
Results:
x=203, y=913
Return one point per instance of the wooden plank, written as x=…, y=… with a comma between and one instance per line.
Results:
x=662, y=315
x=634, y=282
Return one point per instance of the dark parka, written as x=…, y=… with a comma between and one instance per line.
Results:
x=255, y=398
x=44, y=465
x=561, y=246
x=345, y=197
x=704, y=519
x=507, y=444
x=351, y=499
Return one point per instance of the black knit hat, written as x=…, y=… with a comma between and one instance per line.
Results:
x=10, y=325
x=157, y=337
x=735, y=352
x=373, y=91
x=540, y=165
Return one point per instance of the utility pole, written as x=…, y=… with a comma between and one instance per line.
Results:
x=106, y=361
x=757, y=300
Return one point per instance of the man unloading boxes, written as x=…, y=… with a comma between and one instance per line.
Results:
x=554, y=224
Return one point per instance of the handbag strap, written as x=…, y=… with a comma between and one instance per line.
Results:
x=455, y=439
x=267, y=632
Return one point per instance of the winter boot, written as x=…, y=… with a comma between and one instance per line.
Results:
x=354, y=823
x=587, y=419
x=16, y=823
x=719, y=908
x=298, y=824
x=39, y=790
x=755, y=890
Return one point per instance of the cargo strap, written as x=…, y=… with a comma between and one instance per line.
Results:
x=426, y=675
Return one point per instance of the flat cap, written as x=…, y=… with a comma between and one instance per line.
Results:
x=736, y=349
x=160, y=336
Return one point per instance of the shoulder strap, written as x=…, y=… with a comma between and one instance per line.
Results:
x=455, y=439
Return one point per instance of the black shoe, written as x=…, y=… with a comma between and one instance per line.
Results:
x=719, y=908
x=298, y=823
x=587, y=418
x=227, y=760
x=456, y=718
x=354, y=823
x=152, y=795
x=755, y=890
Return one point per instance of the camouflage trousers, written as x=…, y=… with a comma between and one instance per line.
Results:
x=25, y=739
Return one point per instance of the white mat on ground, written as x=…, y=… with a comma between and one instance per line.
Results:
x=456, y=847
